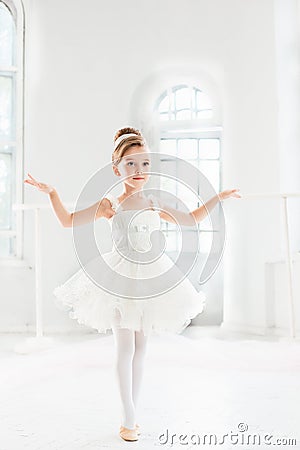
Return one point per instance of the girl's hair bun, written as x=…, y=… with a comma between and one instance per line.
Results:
x=125, y=131
x=131, y=141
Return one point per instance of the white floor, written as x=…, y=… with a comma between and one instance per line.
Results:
x=202, y=382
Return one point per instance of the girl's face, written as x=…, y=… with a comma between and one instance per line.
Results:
x=134, y=166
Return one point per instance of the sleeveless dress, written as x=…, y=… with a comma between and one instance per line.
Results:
x=89, y=304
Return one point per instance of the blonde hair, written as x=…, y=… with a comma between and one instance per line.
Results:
x=125, y=144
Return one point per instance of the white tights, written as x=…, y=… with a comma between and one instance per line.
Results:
x=130, y=352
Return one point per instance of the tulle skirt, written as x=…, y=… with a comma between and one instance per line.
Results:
x=90, y=305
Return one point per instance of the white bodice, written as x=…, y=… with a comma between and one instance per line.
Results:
x=131, y=228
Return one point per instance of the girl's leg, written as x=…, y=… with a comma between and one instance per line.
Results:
x=138, y=364
x=125, y=345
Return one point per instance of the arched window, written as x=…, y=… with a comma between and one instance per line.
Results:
x=184, y=102
x=11, y=127
x=188, y=128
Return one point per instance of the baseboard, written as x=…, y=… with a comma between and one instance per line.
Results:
x=30, y=330
x=256, y=330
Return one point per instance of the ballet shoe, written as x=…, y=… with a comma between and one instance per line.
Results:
x=137, y=427
x=128, y=434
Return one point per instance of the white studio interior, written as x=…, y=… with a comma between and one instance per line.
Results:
x=217, y=84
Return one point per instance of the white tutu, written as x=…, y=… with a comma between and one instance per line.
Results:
x=89, y=304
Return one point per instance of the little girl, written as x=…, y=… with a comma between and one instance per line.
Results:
x=134, y=216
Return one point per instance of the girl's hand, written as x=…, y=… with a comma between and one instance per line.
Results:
x=229, y=193
x=40, y=186
x=105, y=209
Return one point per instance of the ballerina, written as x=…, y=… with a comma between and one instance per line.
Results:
x=131, y=320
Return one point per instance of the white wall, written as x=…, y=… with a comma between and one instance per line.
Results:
x=84, y=64
x=287, y=38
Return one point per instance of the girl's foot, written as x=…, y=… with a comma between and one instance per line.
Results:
x=128, y=434
x=137, y=427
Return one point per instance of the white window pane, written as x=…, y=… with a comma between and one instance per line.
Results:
x=171, y=226
x=169, y=167
x=191, y=238
x=194, y=162
x=183, y=98
x=167, y=184
x=164, y=105
x=185, y=200
x=168, y=226
x=5, y=190
x=203, y=101
x=5, y=246
x=205, y=114
x=172, y=101
x=186, y=203
x=206, y=224
x=205, y=241
x=171, y=241
x=187, y=148
x=6, y=95
x=209, y=148
x=187, y=197
x=7, y=35
x=187, y=175
x=168, y=146
x=210, y=170
x=185, y=104
x=167, y=116
x=184, y=115
x=164, y=116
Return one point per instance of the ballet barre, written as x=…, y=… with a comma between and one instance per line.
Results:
x=41, y=342
x=288, y=253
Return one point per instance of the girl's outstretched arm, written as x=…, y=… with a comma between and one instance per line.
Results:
x=102, y=208
x=94, y=212
x=195, y=216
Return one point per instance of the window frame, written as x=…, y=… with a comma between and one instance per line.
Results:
x=172, y=108
x=198, y=128
x=17, y=12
